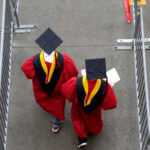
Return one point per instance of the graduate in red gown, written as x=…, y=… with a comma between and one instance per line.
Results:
x=89, y=95
x=48, y=70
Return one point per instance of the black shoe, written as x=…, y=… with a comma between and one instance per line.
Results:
x=82, y=142
x=55, y=128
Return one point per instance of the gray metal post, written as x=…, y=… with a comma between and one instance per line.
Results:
x=2, y=37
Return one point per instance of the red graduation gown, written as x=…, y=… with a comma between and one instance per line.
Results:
x=55, y=105
x=86, y=123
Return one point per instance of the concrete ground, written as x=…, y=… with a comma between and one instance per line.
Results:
x=89, y=29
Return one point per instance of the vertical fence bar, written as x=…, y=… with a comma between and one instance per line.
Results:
x=5, y=68
x=2, y=37
x=2, y=110
x=15, y=4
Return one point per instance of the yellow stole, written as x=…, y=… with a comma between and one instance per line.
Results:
x=44, y=66
x=94, y=91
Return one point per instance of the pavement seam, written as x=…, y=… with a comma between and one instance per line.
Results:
x=67, y=46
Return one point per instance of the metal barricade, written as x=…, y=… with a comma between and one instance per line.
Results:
x=143, y=106
x=139, y=47
x=20, y=28
x=5, y=69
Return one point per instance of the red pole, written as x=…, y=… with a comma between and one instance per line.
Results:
x=127, y=10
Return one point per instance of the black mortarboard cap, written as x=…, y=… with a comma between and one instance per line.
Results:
x=95, y=68
x=48, y=41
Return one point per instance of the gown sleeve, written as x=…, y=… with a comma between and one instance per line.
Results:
x=110, y=100
x=28, y=68
x=68, y=89
x=70, y=69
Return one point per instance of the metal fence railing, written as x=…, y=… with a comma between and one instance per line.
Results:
x=5, y=69
x=139, y=47
x=143, y=105
x=19, y=28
